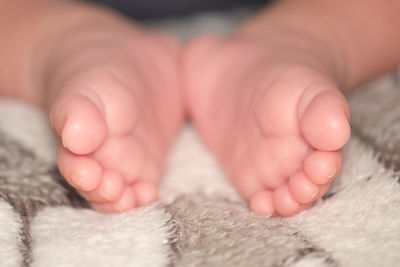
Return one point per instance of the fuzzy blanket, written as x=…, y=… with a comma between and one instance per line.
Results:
x=200, y=220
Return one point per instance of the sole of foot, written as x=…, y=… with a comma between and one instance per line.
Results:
x=276, y=125
x=116, y=110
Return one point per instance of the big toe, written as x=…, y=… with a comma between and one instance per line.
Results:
x=324, y=118
x=79, y=122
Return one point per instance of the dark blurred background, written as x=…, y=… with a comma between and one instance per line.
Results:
x=149, y=9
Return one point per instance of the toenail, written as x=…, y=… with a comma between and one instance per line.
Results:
x=79, y=182
x=314, y=195
x=106, y=196
x=332, y=174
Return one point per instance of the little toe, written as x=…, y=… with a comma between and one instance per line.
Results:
x=111, y=186
x=81, y=172
x=322, y=189
x=145, y=192
x=324, y=119
x=322, y=167
x=302, y=189
x=79, y=123
x=284, y=202
x=126, y=202
x=262, y=203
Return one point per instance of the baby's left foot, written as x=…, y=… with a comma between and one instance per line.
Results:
x=275, y=120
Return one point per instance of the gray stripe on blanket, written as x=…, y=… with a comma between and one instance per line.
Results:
x=376, y=118
x=219, y=232
x=28, y=184
x=10, y=223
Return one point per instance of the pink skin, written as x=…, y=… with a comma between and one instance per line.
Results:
x=266, y=101
x=114, y=120
x=111, y=89
x=277, y=125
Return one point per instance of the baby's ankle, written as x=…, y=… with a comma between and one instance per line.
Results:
x=289, y=27
x=294, y=46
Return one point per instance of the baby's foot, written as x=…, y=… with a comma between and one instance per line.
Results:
x=275, y=121
x=116, y=109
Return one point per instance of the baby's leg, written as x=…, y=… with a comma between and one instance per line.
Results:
x=267, y=100
x=112, y=91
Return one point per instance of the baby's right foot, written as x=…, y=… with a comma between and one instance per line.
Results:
x=115, y=104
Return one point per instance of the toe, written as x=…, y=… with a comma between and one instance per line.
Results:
x=111, y=186
x=284, y=202
x=81, y=172
x=145, y=192
x=322, y=167
x=126, y=202
x=324, y=119
x=79, y=123
x=302, y=189
x=262, y=203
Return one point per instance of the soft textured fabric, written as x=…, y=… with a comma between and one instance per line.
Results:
x=200, y=220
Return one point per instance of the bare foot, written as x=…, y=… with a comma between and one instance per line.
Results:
x=115, y=104
x=274, y=118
